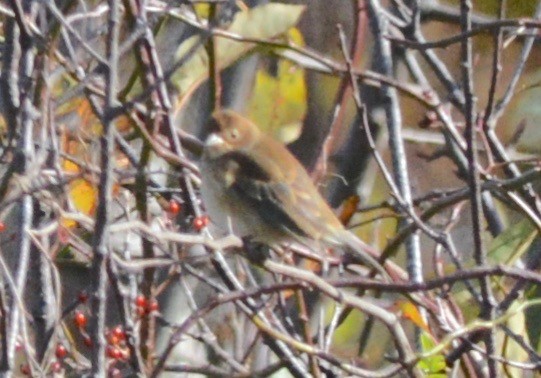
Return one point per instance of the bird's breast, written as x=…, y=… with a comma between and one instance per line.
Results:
x=226, y=208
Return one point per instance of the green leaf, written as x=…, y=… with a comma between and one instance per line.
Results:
x=264, y=22
x=433, y=366
x=511, y=244
x=533, y=314
x=511, y=349
x=505, y=249
x=65, y=253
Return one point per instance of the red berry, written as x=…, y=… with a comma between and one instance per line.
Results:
x=25, y=369
x=174, y=207
x=201, y=222
x=113, y=352
x=141, y=301
x=87, y=341
x=80, y=319
x=119, y=332
x=2, y=226
x=61, y=352
x=112, y=339
x=82, y=296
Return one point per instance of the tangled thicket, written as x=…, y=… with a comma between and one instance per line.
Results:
x=110, y=266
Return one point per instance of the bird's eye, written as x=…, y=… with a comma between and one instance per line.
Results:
x=234, y=134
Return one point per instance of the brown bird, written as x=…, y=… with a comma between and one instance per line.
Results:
x=255, y=183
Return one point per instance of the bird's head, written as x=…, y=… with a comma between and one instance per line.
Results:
x=229, y=131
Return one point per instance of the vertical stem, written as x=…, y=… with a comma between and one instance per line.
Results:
x=496, y=110
x=21, y=59
x=496, y=66
x=391, y=104
x=100, y=242
x=214, y=72
x=487, y=310
x=46, y=308
x=148, y=324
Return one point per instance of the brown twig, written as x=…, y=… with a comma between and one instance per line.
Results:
x=100, y=246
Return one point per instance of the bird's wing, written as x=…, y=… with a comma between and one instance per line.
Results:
x=298, y=213
x=293, y=205
x=288, y=201
x=271, y=202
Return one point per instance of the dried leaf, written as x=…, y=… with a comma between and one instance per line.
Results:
x=349, y=207
x=265, y=21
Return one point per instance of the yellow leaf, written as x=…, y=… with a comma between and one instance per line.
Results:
x=264, y=21
x=84, y=197
x=70, y=166
x=279, y=97
x=202, y=10
x=411, y=312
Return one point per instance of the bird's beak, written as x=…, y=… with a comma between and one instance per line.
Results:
x=214, y=140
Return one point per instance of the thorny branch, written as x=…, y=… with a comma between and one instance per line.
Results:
x=89, y=111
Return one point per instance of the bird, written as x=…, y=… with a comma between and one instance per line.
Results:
x=253, y=183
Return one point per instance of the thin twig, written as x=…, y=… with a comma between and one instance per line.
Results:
x=23, y=66
x=479, y=252
x=394, y=124
x=494, y=26
x=100, y=247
